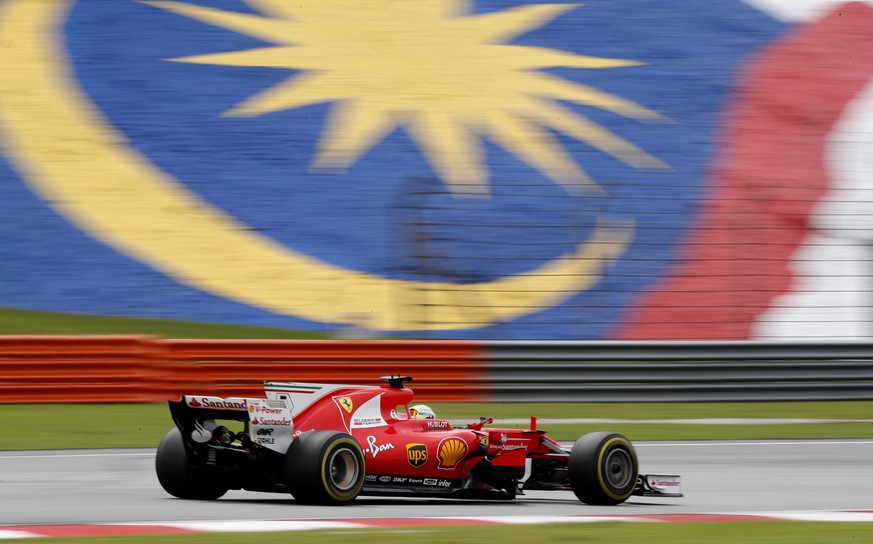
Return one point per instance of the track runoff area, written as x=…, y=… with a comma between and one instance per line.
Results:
x=724, y=481
x=258, y=526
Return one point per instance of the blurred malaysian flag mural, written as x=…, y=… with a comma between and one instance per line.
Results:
x=442, y=168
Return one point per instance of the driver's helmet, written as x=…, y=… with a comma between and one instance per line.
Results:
x=421, y=411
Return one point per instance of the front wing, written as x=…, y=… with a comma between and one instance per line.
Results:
x=659, y=485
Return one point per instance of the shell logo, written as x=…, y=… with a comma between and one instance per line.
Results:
x=450, y=452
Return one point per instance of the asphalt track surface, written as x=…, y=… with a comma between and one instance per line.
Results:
x=100, y=486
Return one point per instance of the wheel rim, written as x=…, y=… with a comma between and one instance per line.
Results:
x=617, y=468
x=343, y=469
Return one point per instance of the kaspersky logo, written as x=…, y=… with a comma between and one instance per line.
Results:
x=416, y=454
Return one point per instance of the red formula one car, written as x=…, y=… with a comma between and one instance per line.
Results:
x=329, y=443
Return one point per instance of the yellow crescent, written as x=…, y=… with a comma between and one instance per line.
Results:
x=84, y=168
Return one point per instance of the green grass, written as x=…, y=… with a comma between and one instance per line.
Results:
x=14, y=321
x=64, y=426
x=61, y=426
x=759, y=532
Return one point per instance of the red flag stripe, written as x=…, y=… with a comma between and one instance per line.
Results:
x=763, y=186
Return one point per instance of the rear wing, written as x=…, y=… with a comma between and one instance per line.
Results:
x=266, y=422
x=269, y=422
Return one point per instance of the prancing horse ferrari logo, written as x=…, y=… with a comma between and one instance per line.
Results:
x=346, y=403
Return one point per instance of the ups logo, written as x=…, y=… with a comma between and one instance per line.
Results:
x=416, y=454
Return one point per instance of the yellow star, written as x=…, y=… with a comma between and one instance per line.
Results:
x=446, y=77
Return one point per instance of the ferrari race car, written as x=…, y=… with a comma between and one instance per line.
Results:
x=329, y=443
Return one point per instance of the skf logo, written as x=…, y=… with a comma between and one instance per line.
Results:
x=416, y=454
x=346, y=403
x=450, y=452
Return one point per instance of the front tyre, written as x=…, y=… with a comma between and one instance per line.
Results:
x=178, y=477
x=325, y=467
x=603, y=468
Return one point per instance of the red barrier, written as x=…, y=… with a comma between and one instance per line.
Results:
x=52, y=369
x=46, y=369
x=442, y=370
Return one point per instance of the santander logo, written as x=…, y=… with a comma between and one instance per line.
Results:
x=217, y=403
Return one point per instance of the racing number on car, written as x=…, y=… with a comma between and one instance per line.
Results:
x=416, y=454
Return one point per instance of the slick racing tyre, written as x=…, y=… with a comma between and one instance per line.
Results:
x=325, y=467
x=175, y=473
x=603, y=468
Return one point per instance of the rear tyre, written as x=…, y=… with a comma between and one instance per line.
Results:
x=603, y=468
x=325, y=467
x=178, y=477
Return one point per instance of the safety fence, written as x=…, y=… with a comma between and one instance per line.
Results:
x=45, y=369
x=679, y=371
x=146, y=369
